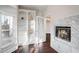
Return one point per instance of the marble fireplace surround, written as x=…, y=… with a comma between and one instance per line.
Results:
x=63, y=46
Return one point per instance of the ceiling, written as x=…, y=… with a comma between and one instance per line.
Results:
x=34, y=7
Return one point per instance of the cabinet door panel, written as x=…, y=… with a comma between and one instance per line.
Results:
x=41, y=29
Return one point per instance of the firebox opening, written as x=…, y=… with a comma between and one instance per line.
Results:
x=63, y=32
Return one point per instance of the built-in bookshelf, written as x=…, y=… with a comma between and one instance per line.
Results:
x=31, y=29
x=26, y=26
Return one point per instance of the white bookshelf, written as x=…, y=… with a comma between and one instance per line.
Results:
x=26, y=26
x=31, y=28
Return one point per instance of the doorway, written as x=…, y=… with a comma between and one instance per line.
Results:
x=48, y=35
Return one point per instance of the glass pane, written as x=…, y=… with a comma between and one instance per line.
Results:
x=30, y=16
x=6, y=26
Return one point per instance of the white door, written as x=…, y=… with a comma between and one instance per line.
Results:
x=40, y=29
x=31, y=27
x=40, y=32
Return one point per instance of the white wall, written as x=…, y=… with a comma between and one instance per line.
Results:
x=48, y=26
x=58, y=13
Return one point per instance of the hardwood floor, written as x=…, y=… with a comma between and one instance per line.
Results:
x=37, y=48
x=41, y=48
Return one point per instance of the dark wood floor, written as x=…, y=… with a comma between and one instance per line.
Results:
x=37, y=48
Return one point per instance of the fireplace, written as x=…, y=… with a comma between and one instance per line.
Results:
x=63, y=32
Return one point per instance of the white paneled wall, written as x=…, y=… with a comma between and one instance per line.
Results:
x=64, y=46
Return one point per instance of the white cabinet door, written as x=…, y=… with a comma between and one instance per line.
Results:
x=40, y=32
x=31, y=27
x=36, y=30
x=41, y=28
